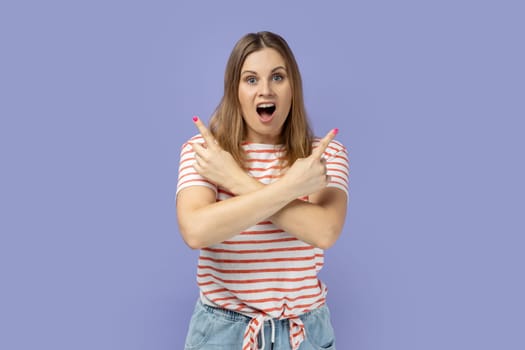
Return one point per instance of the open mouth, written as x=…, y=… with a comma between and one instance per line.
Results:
x=265, y=111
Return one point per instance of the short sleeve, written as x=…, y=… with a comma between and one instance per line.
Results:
x=337, y=165
x=188, y=176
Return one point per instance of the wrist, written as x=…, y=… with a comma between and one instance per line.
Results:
x=286, y=189
x=243, y=183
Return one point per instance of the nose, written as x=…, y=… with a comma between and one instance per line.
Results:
x=265, y=88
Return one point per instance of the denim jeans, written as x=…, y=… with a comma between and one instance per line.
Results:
x=218, y=329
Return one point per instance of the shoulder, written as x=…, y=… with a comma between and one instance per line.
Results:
x=194, y=139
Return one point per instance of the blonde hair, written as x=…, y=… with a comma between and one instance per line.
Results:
x=227, y=124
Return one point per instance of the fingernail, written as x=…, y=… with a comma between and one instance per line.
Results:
x=195, y=118
x=336, y=131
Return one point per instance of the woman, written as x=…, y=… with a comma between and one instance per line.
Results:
x=261, y=198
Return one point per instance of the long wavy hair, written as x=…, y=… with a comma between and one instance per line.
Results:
x=227, y=124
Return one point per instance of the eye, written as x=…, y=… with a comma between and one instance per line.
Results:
x=251, y=80
x=277, y=77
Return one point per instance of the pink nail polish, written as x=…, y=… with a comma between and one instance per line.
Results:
x=336, y=131
x=195, y=118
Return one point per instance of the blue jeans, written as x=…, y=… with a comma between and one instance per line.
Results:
x=218, y=329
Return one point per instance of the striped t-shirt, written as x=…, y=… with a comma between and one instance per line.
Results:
x=263, y=272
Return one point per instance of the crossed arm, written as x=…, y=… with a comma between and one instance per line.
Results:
x=204, y=222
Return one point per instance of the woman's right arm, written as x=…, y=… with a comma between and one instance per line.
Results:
x=204, y=222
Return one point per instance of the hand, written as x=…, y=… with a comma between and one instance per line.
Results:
x=214, y=163
x=308, y=175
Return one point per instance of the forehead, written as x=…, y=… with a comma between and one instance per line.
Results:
x=263, y=60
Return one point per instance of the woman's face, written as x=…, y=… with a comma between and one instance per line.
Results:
x=265, y=95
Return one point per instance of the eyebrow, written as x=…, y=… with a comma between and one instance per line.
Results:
x=273, y=70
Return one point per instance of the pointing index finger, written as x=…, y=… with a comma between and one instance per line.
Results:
x=206, y=134
x=323, y=144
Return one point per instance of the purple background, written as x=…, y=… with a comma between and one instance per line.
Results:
x=97, y=97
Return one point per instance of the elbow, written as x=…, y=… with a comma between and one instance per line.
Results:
x=192, y=238
x=325, y=244
x=192, y=241
x=328, y=239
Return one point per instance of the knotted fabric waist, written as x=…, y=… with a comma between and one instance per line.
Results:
x=256, y=327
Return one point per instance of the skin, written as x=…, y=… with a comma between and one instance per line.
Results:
x=204, y=222
x=264, y=79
